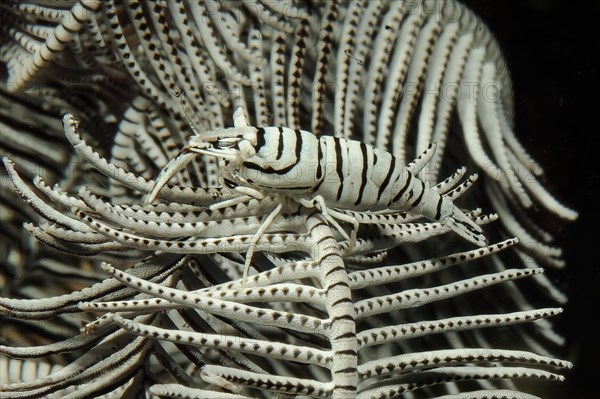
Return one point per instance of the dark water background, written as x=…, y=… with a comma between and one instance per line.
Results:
x=552, y=47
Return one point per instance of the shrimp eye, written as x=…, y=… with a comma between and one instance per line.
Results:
x=247, y=150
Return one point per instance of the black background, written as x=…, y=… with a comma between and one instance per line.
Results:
x=550, y=47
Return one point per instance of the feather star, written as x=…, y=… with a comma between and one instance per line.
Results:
x=126, y=299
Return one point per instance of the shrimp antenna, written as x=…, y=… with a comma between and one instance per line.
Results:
x=188, y=112
x=175, y=165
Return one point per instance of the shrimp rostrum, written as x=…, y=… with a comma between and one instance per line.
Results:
x=326, y=172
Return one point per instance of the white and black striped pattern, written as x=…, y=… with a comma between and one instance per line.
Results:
x=117, y=70
x=345, y=174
